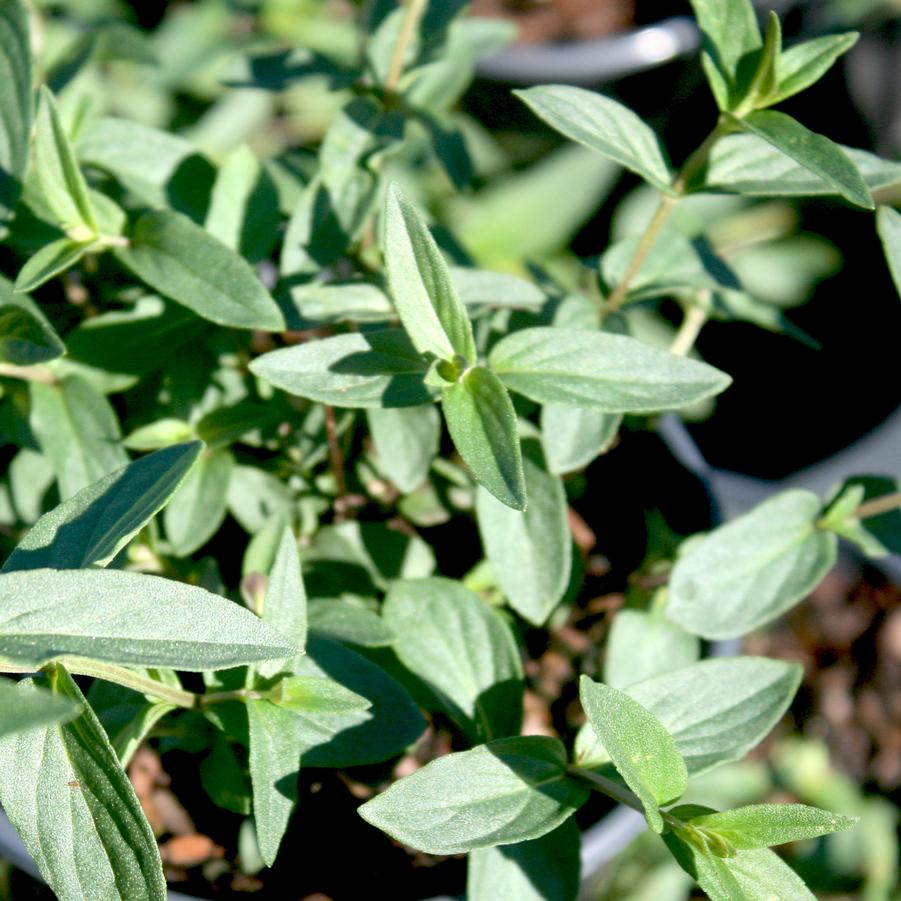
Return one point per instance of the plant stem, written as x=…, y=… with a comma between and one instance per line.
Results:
x=336, y=455
x=879, y=505
x=689, y=170
x=239, y=694
x=692, y=323
x=608, y=787
x=615, y=301
x=79, y=666
x=412, y=14
x=39, y=374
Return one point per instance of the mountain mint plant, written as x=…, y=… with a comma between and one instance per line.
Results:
x=265, y=345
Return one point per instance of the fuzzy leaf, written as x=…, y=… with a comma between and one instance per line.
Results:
x=643, y=752
x=462, y=650
x=888, y=222
x=94, y=525
x=506, y=791
x=603, y=125
x=482, y=423
x=611, y=373
x=406, y=440
x=127, y=618
x=26, y=337
x=806, y=63
x=21, y=710
x=574, y=436
x=746, y=573
x=15, y=104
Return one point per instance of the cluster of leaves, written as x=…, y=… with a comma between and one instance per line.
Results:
x=239, y=380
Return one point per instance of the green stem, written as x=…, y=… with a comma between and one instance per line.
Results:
x=694, y=320
x=239, y=694
x=878, y=506
x=39, y=374
x=607, y=787
x=412, y=14
x=109, y=672
x=692, y=166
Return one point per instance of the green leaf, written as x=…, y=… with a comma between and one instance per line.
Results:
x=421, y=286
x=530, y=552
x=731, y=41
x=26, y=337
x=362, y=369
x=127, y=618
x=643, y=752
x=256, y=495
x=888, y=223
x=814, y=152
x=642, y=644
x=484, y=288
x=63, y=188
x=274, y=767
x=49, y=261
x=359, y=736
x=543, y=869
x=806, y=63
x=750, y=571
x=506, y=791
x=66, y=794
x=406, y=440
x=158, y=435
x=765, y=825
x=285, y=603
x=21, y=710
x=462, y=650
x=197, y=509
x=763, y=84
x=482, y=423
x=574, y=436
x=612, y=373
x=171, y=254
x=15, y=104
x=96, y=523
x=746, y=164
x=349, y=622
x=877, y=536
x=759, y=875
x=78, y=431
x=223, y=778
x=716, y=710
x=314, y=694
x=243, y=212
x=603, y=125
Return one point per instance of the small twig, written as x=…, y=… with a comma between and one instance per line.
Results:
x=878, y=506
x=412, y=14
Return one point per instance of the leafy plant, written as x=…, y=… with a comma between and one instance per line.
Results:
x=227, y=315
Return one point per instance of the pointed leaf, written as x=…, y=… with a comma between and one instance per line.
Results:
x=746, y=164
x=179, y=259
x=421, y=286
x=482, y=423
x=611, y=373
x=274, y=767
x=765, y=825
x=362, y=369
x=21, y=710
x=62, y=185
x=806, y=63
x=462, y=650
x=406, y=440
x=50, y=261
x=15, y=104
x=643, y=752
x=530, y=552
x=197, y=508
x=127, y=618
x=66, y=794
x=285, y=604
x=26, y=337
x=94, y=525
x=746, y=573
x=78, y=431
x=574, y=436
x=506, y=791
x=716, y=710
x=814, y=152
x=314, y=694
x=888, y=222
x=604, y=125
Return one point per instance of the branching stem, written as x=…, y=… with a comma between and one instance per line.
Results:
x=878, y=506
